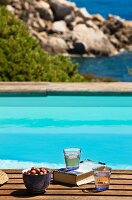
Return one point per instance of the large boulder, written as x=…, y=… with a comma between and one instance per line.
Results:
x=98, y=20
x=124, y=36
x=59, y=27
x=61, y=8
x=112, y=24
x=77, y=20
x=10, y=8
x=44, y=10
x=69, y=18
x=98, y=17
x=94, y=41
x=115, y=42
x=128, y=24
x=90, y=24
x=53, y=44
x=42, y=4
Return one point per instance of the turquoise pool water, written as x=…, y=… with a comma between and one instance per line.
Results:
x=35, y=129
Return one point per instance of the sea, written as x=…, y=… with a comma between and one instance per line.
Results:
x=122, y=8
x=117, y=67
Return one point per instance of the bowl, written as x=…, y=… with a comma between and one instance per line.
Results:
x=36, y=183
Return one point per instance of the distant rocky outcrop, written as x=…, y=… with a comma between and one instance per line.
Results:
x=61, y=27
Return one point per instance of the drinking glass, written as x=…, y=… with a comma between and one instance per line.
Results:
x=102, y=178
x=72, y=158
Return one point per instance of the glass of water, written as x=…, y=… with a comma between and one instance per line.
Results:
x=72, y=158
x=102, y=178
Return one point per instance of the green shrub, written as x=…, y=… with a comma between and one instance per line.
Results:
x=22, y=58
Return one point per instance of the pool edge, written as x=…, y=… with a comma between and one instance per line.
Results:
x=48, y=88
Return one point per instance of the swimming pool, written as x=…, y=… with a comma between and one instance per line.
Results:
x=35, y=128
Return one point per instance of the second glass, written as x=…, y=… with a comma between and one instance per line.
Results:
x=72, y=158
x=102, y=178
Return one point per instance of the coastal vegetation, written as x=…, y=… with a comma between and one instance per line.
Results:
x=22, y=58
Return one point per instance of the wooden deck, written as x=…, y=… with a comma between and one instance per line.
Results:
x=120, y=189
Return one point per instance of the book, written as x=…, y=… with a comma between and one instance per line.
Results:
x=83, y=175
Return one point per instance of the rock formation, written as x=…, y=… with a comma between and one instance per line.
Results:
x=61, y=27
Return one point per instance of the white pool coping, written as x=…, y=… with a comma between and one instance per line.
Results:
x=65, y=87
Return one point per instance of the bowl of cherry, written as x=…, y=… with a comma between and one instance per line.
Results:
x=36, y=180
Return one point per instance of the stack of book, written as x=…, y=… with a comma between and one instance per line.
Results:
x=83, y=175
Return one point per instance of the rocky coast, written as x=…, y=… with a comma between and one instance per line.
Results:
x=61, y=27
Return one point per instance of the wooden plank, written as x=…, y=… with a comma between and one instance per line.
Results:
x=113, y=181
x=121, y=176
x=85, y=192
x=19, y=171
x=120, y=182
x=113, y=176
x=65, y=197
x=15, y=176
x=12, y=171
x=121, y=171
x=18, y=181
x=61, y=187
